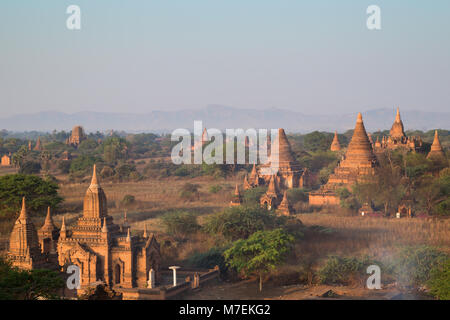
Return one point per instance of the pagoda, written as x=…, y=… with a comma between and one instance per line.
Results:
x=358, y=162
x=436, y=151
x=24, y=249
x=335, y=145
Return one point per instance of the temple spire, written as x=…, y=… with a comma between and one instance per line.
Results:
x=94, y=181
x=397, y=116
x=145, y=231
x=285, y=207
x=48, y=224
x=335, y=145
x=436, y=151
x=63, y=225
x=237, y=199
x=397, y=130
x=272, y=189
x=23, y=211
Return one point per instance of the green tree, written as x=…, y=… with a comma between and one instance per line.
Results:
x=18, y=284
x=83, y=164
x=30, y=167
x=180, y=223
x=239, y=222
x=39, y=194
x=114, y=149
x=439, y=282
x=260, y=254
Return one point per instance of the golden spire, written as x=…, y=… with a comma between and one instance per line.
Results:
x=48, y=224
x=63, y=225
x=94, y=181
x=359, y=118
x=397, y=116
x=145, y=230
x=128, y=235
x=23, y=213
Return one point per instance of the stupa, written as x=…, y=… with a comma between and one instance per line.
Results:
x=436, y=152
x=358, y=162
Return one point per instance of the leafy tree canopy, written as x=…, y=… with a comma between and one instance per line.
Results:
x=39, y=194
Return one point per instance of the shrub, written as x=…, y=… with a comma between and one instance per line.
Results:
x=128, y=199
x=439, y=282
x=64, y=166
x=240, y=222
x=252, y=196
x=413, y=265
x=180, y=224
x=181, y=171
x=189, y=191
x=297, y=195
x=343, y=270
x=215, y=188
x=209, y=259
x=39, y=194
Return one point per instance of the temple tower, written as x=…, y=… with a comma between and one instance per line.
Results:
x=48, y=235
x=76, y=137
x=38, y=146
x=24, y=250
x=335, y=145
x=271, y=198
x=285, y=207
x=289, y=170
x=358, y=162
x=436, y=151
x=237, y=198
x=397, y=131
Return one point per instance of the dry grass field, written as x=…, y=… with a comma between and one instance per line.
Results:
x=154, y=197
x=375, y=237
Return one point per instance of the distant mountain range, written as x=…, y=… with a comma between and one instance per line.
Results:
x=221, y=117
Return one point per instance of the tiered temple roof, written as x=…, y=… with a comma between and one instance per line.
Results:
x=282, y=158
x=24, y=249
x=285, y=207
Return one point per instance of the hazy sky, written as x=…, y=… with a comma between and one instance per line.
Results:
x=310, y=56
